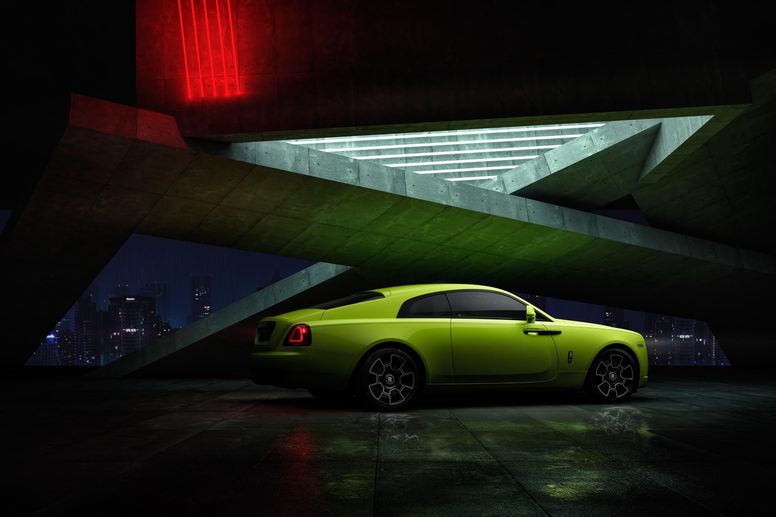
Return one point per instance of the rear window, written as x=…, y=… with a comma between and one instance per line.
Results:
x=363, y=296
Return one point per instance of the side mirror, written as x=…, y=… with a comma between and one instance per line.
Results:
x=530, y=314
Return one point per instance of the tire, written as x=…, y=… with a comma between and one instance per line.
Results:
x=390, y=379
x=612, y=376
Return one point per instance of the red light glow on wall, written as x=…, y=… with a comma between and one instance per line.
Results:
x=209, y=48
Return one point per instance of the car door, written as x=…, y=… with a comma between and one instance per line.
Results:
x=491, y=341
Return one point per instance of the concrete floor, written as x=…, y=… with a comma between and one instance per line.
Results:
x=682, y=446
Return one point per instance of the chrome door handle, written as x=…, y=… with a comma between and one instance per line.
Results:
x=541, y=332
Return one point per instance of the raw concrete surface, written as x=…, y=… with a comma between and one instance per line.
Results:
x=683, y=445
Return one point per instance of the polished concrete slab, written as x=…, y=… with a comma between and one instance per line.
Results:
x=688, y=444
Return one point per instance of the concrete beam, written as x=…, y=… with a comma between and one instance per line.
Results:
x=225, y=336
x=678, y=138
x=428, y=197
x=588, y=172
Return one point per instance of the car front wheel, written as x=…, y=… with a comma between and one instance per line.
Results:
x=390, y=379
x=612, y=376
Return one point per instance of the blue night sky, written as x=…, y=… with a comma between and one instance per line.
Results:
x=235, y=273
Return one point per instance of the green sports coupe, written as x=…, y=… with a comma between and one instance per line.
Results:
x=387, y=345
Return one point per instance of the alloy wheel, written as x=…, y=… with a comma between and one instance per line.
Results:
x=391, y=379
x=614, y=376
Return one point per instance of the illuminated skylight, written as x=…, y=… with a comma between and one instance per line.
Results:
x=454, y=154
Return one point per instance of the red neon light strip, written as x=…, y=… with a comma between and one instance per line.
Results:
x=223, y=54
x=196, y=42
x=193, y=69
x=209, y=49
x=234, y=47
x=185, y=57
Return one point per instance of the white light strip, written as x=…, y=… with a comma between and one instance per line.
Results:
x=467, y=169
x=433, y=134
x=442, y=144
x=452, y=153
x=472, y=160
x=472, y=178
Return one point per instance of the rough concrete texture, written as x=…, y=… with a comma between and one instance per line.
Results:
x=718, y=190
x=226, y=447
x=589, y=172
x=678, y=137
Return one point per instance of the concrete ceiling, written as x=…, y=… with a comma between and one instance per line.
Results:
x=105, y=182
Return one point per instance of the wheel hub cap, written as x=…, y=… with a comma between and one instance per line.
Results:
x=615, y=376
x=391, y=379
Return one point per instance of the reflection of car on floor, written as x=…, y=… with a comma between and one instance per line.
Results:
x=386, y=345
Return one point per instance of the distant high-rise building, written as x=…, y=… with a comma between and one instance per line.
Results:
x=658, y=337
x=65, y=343
x=614, y=317
x=162, y=328
x=201, y=297
x=683, y=341
x=86, y=332
x=104, y=344
x=132, y=323
x=160, y=292
x=47, y=353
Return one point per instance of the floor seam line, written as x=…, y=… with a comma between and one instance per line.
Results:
x=501, y=465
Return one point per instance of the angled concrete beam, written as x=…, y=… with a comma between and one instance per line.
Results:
x=579, y=162
x=590, y=171
x=677, y=139
x=366, y=180
x=234, y=351
x=608, y=163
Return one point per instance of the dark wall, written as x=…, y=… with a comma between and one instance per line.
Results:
x=55, y=49
x=342, y=63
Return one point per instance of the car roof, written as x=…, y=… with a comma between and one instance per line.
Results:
x=420, y=289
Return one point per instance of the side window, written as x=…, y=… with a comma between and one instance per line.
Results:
x=434, y=306
x=484, y=304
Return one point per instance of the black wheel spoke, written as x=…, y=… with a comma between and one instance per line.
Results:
x=377, y=367
x=376, y=390
x=407, y=380
x=397, y=362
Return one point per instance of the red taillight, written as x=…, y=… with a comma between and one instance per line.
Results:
x=299, y=336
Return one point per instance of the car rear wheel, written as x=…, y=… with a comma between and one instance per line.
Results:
x=390, y=379
x=612, y=376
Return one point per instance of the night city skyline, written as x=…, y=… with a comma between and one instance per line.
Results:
x=146, y=261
